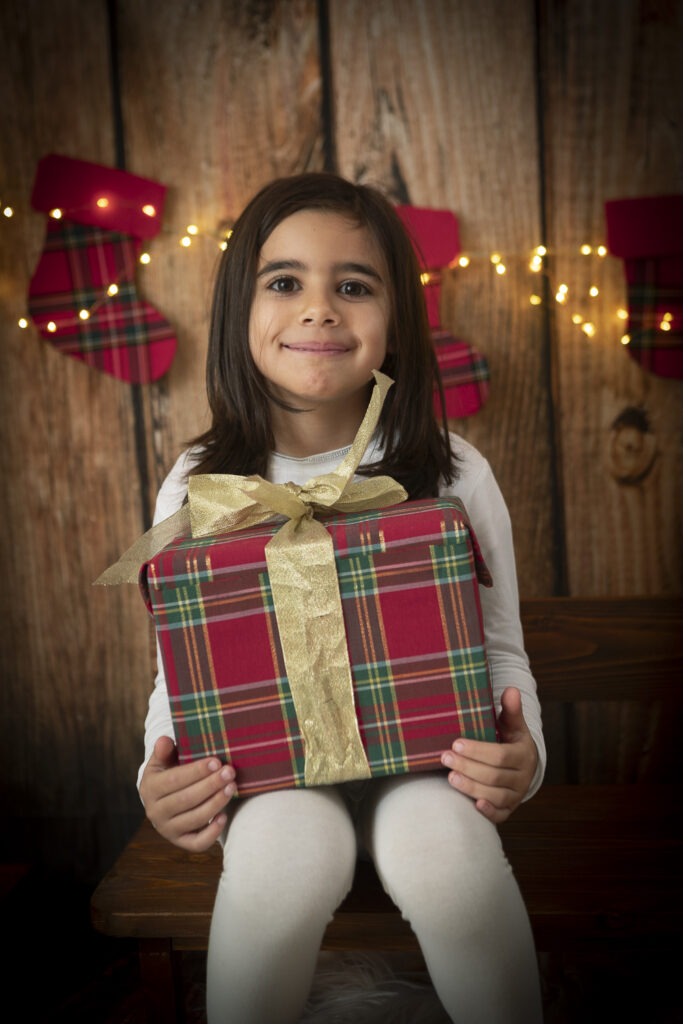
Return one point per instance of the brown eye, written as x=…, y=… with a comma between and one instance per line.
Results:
x=283, y=285
x=354, y=289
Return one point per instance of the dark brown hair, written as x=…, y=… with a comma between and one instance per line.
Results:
x=417, y=452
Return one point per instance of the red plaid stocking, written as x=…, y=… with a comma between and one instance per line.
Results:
x=464, y=371
x=647, y=234
x=88, y=264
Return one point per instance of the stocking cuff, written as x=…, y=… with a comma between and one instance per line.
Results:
x=643, y=227
x=128, y=204
x=434, y=234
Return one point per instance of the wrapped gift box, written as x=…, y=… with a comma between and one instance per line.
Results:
x=408, y=577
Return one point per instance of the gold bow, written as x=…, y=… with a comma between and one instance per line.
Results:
x=303, y=579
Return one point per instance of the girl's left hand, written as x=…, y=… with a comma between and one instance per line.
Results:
x=496, y=775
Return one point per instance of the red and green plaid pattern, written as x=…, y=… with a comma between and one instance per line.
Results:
x=408, y=577
x=124, y=336
x=655, y=288
x=465, y=376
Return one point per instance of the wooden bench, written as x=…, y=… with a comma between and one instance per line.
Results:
x=599, y=865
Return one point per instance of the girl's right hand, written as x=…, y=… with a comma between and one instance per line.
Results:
x=185, y=802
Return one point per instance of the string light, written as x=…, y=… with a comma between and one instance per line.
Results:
x=103, y=203
x=593, y=292
x=625, y=339
x=535, y=300
x=145, y=257
x=84, y=314
x=186, y=241
x=113, y=289
x=536, y=264
x=588, y=328
x=56, y=214
x=541, y=250
x=149, y=210
x=668, y=317
x=586, y=250
x=464, y=261
x=665, y=325
x=495, y=258
x=52, y=327
x=8, y=211
x=424, y=279
x=577, y=318
x=622, y=314
x=223, y=246
x=23, y=323
x=501, y=268
x=192, y=229
x=601, y=250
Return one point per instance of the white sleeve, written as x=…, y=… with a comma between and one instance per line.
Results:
x=158, y=721
x=508, y=661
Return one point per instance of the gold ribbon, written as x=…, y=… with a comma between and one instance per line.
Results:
x=303, y=579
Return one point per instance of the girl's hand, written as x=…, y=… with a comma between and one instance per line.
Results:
x=185, y=802
x=496, y=775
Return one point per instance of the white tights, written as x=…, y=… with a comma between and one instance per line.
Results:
x=289, y=861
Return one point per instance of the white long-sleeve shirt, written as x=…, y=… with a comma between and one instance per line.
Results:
x=479, y=492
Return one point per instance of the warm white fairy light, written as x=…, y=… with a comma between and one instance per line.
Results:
x=424, y=279
x=668, y=317
x=192, y=229
x=149, y=210
x=535, y=300
x=103, y=202
x=501, y=268
x=56, y=214
x=665, y=325
x=577, y=318
x=536, y=264
x=8, y=211
x=586, y=250
x=23, y=323
x=588, y=328
x=145, y=257
x=84, y=314
x=52, y=326
x=593, y=292
x=186, y=241
x=464, y=261
x=625, y=339
x=601, y=250
x=495, y=257
x=113, y=289
x=622, y=314
x=223, y=246
x=541, y=250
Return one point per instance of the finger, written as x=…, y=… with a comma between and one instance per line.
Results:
x=498, y=797
x=502, y=755
x=171, y=780
x=487, y=774
x=198, y=842
x=195, y=795
x=494, y=814
x=165, y=754
x=196, y=818
x=511, y=719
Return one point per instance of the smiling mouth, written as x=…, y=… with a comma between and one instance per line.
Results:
x=325, y=348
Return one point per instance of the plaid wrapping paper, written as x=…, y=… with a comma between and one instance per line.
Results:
x=408, y=578
x=124, y=336
x=465, y=376
x=655, y=287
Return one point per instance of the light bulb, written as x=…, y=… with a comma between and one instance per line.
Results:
x=52, y=326
x=23, y=323
x=224, y=246
x=665, y=325
x=625, y=339
x=586, y=250
x=560, y=297
x=536, y=264
x=588, y=328
x=56, y=214
x=149, y=210
x=593, y=291
x=145, y=257
x=668, y=316
x=577, y=318
x=113, y=289
x=186, y=240
x=496, y=257
x=541, y=250
x=424, y=279
x=622, y=314
x=563, y=289
x=84, y=314
x=464, y=261
x=535, y=300
x=500, y=268
x=192, y=229
x=601, y=250
x=8, y=211
x=103, y=203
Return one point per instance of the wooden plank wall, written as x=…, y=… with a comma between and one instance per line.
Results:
x=520, y=116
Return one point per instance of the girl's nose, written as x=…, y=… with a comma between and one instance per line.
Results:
x=318, y=312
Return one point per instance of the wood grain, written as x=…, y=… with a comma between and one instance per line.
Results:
x=71, y=498
x=613, y=109
x=436, y=103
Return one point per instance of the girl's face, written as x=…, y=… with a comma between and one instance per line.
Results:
x=320, y=313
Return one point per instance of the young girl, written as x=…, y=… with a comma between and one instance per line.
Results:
x=319, y=286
